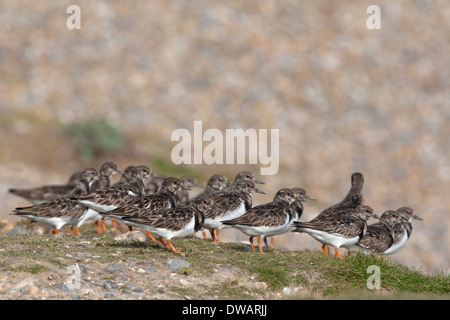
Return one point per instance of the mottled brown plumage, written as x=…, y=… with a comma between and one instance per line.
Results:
x=149, y=204
x=116, y=196
x=171, y=223
x=60, y=211
x=380, y=236
x=229, y=204
x=49, y=192
x=268, y=219
x=353, y=199
x=342, y=229
x=105, y=173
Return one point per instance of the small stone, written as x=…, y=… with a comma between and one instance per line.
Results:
x=178, y=264
x=86, y=292
x=184, y=282
x=114, y=267
x=260, y=285
x=109, y=284
x=131, y=236
x=151, y=269
x=287, y=291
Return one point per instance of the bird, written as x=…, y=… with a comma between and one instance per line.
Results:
x=178, y=222
x=105, y=173
x=244, y=175
x=229, y=204
x=154, y=184
x=215, y=183
x=188, y=182
x=268, y=219
x=61, y=211
x=116, y=196
x=380, y=236
x=353, y=199
x=126, y=175
x=403, y=230
x=48, y=192
x=340, y=230
x=148, y=204
x=104, y=181
x=296, y=207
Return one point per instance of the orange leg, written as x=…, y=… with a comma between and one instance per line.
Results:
x=99, y=228
x=324, y=250
x=218, y=237
x=337, y=253
x=104, y=225
x=163, y=243
x=251, y=243
x=259, y=244
x=178, y=251
x=71, y=231
x=204, y=234
x=328, y=248
x=56, y=231
x=271, y=242
x=130, y=228
x=77, y=230
x=151, y=237
x=114, y=225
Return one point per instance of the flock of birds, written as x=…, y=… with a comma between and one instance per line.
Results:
x=161, y=207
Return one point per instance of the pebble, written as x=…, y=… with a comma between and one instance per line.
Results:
x=114, y=267
x=131, y=236
x=31, y=290
x=109, y=284
x=287, y=291
x=178, y=264
x=184, y=282
x=260, y=285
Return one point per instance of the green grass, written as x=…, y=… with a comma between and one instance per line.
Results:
x=335, y=277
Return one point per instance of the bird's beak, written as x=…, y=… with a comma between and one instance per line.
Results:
x=308, y=197
x=259, y=191
x=418, y=218
x=259, y=181
x=186, y=188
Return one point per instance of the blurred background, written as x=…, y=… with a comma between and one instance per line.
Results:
x=345, y=98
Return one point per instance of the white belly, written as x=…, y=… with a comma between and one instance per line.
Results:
x=334, y=240
x=216, y=223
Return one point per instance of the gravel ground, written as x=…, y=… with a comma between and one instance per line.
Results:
x=63, y=267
